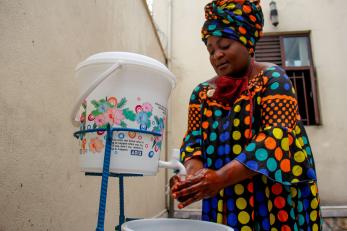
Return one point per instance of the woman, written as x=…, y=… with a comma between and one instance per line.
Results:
x=246, y=150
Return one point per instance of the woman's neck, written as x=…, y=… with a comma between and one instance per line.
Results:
x=245, y=73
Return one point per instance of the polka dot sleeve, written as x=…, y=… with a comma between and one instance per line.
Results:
x=192, y=141
x=280, y=150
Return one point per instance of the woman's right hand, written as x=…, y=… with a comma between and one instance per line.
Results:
x=192, y=166
x=205, y=183
x=174, y=182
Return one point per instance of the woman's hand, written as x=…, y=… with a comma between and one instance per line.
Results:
x=192, y=166
x=203, y=184
x=174, y=181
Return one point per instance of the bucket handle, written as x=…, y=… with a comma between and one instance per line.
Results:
x=94, y=85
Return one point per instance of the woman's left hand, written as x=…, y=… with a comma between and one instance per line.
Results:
x=203, y=184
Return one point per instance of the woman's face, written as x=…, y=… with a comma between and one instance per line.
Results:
x=228, y=57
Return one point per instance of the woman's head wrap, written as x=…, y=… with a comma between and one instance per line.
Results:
x=240, y=20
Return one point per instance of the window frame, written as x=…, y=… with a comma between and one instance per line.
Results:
x=310, y=68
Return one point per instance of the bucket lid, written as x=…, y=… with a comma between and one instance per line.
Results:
x=128, y=58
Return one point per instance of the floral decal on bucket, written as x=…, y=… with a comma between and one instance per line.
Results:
x=110, y=111
x=143, y=115
x=83, y=115
x=96, y=145
x=83, y=146
x=158, y=127
x=117, y=113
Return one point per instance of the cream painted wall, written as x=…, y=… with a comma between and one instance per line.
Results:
x=326, y=20
x=41, y=42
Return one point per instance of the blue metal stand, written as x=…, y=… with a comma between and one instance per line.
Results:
x=104, y=181
x=106, y=174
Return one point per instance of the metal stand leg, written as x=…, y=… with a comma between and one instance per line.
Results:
x=104, y=181
x=121, y=202
x=122, y=218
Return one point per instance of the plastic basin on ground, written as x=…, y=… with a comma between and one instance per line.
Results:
x=167, y=224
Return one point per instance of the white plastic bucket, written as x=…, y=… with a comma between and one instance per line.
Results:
x=127, y=91
x=169, y=224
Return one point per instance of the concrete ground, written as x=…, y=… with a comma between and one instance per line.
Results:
x=335, y=224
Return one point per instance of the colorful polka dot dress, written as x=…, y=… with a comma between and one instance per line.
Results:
x=263, y=131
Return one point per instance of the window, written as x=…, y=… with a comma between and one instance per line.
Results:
x=293, y=53
x=296, y=51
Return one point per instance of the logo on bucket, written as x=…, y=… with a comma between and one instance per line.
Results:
x=136, y=152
